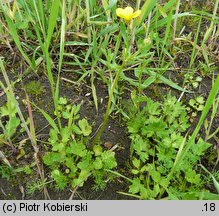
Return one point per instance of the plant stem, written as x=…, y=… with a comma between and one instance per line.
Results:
x=138, y=3
x=107, y=113
x=175, y=20
x=88, y=20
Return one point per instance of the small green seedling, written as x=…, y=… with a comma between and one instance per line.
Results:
x=190, y=80
x=196, y=105
x=9, y=122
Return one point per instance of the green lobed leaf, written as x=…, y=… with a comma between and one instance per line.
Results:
x=109, y=160
x=98, y=164
x=53, y=158
x=78, y=149
x=85, y=127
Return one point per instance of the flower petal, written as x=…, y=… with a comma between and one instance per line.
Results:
x=120, y=13
x=136, y=13
x=128, y=11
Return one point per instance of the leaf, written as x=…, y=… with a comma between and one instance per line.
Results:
x=26, y=169
x=136, y=163
x=85, y=127
x=141, y=148
x=78, y=149
x=145, y=10
x=70, y=163
x=52, y=21
x=166, y=81
x=48, y=118
x=97, y=150
x=216, y=184
x=76, y=109
x=189, y=196
x=192, y=102
x=65, y=133
x=78, y=182
x=135, y=124
x=62, y=101
x=53, y=158
x=164, y=183
x=134, y=188
x=53, y=136
x=59, y=147
x=109, y=29
x=209, y=196
x=94, y=93
x=156, y=176
x=86, y=162
x=200, y=148
x=75, y=43
x=137, y=187
x=60, y=179
x=108, y=158
x=66, y=115
x=134, y=171
x=76, y=129
x=98, y=164
x=208, y=104
x=172, y=196
x=123, y=32
x=153, y=108
x=84, y=174
x=112, y=3
x=200, y=100
x=14, y=34
x=192, y=177
x=4, y=111
x=9, y=109
x=143, y=169
x=136, y=83
x=162, y=11
x=153, y=128
x=11, y=126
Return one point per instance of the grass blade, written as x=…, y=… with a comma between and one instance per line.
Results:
x=165, y=80
x=47, y=117
x=14, y=34
x=61, y=52
x=52, y=21
x=145, y=10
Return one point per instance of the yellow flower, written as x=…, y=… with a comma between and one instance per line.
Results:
x=127, y=13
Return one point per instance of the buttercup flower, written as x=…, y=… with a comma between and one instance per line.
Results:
x=127, y=13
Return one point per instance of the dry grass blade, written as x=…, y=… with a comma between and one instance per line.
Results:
x=2, y=157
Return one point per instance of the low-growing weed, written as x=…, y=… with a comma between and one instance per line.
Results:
x=10, y=123
x=6, y=172
x=192, y=81
x=69, y=159
x=34, y=88
x=196, y=105
x=157, y=133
